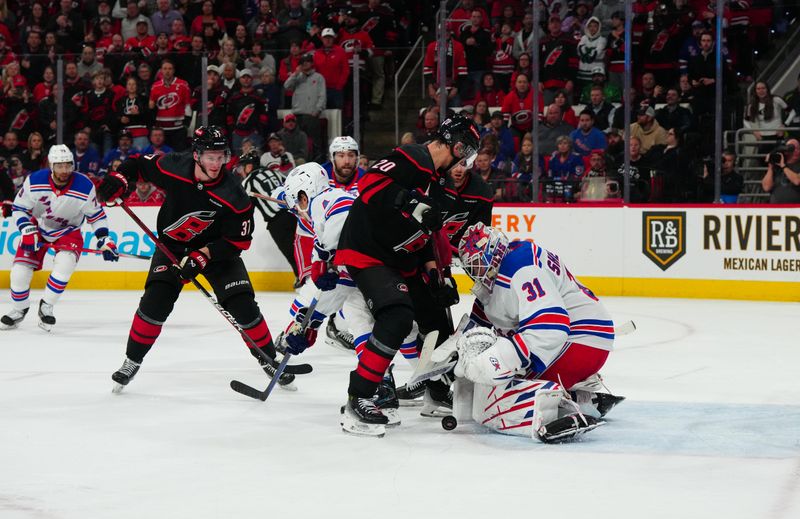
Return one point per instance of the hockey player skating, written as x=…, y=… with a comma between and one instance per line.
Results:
x=386, y=247
x=538, y=341
x=49, y=210
x=207, y=219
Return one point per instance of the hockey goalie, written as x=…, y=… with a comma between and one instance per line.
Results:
x=535, y=341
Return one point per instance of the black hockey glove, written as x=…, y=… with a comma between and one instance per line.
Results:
x=5, y=208
x=421, y=208
x=113, y=186
x=191, y=265
x=443, y=291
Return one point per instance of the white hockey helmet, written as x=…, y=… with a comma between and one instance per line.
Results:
x=309, y=178
x=481, y=250
x=59, y=153
x=343, y=143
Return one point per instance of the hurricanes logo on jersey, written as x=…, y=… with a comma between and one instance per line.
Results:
x=190, y=225
x=245, y=114
x=167, y=101
x=413, y=244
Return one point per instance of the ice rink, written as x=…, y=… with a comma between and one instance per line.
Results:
x=711, y=427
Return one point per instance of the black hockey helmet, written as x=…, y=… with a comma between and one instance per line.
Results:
x=251, y=157
x=462, y=135
x=208, y=138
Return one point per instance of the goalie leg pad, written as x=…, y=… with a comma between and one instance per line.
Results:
x=514, y=408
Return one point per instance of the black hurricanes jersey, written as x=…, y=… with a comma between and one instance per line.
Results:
x=194, y=215
x=376, y=232
x=473, y=205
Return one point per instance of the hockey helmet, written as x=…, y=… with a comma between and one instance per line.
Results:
x=58, y=154
x=461, y=134
x=481, y=250
x=209, y=138
x=343, y=143
x=309, y=178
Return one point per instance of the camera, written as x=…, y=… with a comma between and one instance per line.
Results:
x=780, y=153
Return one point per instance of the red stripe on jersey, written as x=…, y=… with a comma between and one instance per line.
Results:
x=222, y=200
x=406, y=155
x=259, y=334
x=371, y=183
x=509, y=410
x=144, y=332
x=519, y=342
x=169, y=173
x=241, y=245
x=356, y=259
x=372, y=366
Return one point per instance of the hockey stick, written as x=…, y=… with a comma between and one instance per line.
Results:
x=246, y=390
x=437, y=257
x=299, y=369
x=98, y=251
x=268, y=198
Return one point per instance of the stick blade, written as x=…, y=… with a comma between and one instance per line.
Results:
x=244, y=389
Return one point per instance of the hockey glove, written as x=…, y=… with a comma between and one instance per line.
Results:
x=113, y=186
x=31, y=240
x=322, y=277
x=443, y=291
x=297, y=341
x=109, y=248
x=421, y=208
x=192, y=265
x=6, y=208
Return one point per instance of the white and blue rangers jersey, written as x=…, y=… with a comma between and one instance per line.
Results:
x=328, y=212
x=541, y=308
x=57, y=211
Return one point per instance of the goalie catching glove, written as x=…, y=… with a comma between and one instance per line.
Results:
x=485, y=358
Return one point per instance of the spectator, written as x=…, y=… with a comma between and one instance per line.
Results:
x=129, y=24
x=228, y=76
x=10, y=145
x=48, y=108
x=170, y=100
x=615, y=50
x=792, y=99
x=477, y=43
x=690, y=47
x=122, y=151
x=144, y=76
x=559, y=60
x=686, y=90
x=163, y=17
x=594, y=183
x=331, y=62
x=228, y=53
x=660, y=47
x=218, y=95
x=505, y=139
x=461, y=17
x=490, y=174
x=145, y=194
x=133, y=113
x=98, y=110
x=43, y=89
x=591, y=52
x=157, y=144
x=673, y=179
x=502, y=59
x=523, y=37
x=640, y=172
x=647, y=129
x=764, y=114
x=489, y=92
x=308, y=100
x=68, y=25
x=34, y=157
x=702, y=75
x=292, y=21
x=294, y=139
x=35, y=60
x=87, y=160
x=178, y=40
x=382, y=29
x=782, y=180
x=481, y=115
x=457, y=73
x=586, y=137
x=407, y=138
x=732, y=183
x=268, y=89
x=518, y=106
x=430, y=125
x=288, y=65
x=527, y=166
x=259, y=61
x=16, y=172
x=601, y=108
x=568, y=115
x=551, y=129
x=247, y=116
x=651, y=93
x=673, y=115
x=523, y=67
x=142, y=43
x=564, y=163
x=277, y=158
x=611, y=93
x=206, y=18
x=606, y=10
x=264, y=24
x=363, y=160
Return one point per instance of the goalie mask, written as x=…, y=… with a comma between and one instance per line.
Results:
x=481, y=250
x=309, y=179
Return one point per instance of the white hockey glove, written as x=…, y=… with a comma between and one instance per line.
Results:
x=485, y=358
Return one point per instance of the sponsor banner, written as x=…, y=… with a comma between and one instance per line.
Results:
x=742, y=252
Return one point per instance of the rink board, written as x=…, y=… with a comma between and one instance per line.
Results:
x=714, y=251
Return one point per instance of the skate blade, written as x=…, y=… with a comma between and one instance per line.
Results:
x=352, y=425
x=333, y=343
x=45, y=327
x=435, y=411
x=393, y=415
x=9, y=326
x=569, y=435
x=288, y=387
x=414, y=402
x=117, y=388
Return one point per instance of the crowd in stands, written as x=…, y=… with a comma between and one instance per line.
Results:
x=132, y=74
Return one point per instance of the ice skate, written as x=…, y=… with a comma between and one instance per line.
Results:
x=337, y=338
x=12, y=319
x=386, y=399
x=360, y=416
x=124, y=375
x=438, y=400
x=594, y=397
x=284, y=381
x=411, y=395
x=567, y=428
x=46, y=318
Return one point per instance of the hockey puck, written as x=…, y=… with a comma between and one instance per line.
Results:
x=449, y=423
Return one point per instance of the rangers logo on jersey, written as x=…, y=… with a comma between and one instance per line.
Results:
x=190, y=225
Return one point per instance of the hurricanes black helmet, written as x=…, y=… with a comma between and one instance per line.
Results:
x=251, y=157
x=462, y=135
x=209, y=138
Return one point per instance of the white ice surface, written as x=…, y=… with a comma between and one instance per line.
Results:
x=711, y=427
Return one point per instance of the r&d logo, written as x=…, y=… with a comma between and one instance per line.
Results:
x=664, y=237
